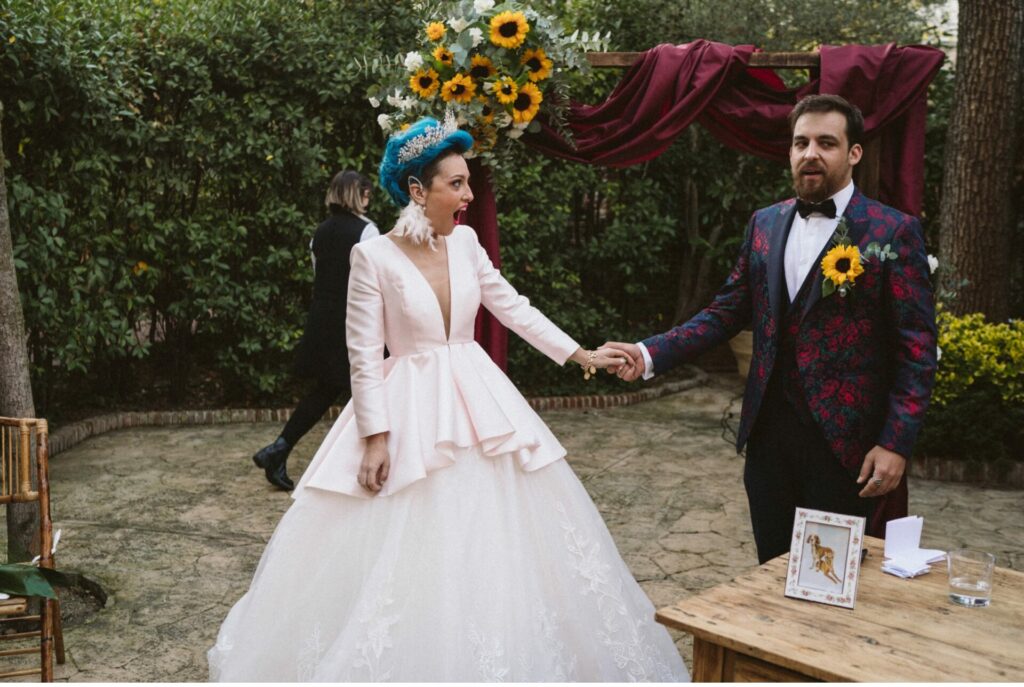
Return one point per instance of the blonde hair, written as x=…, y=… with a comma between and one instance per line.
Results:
x=347, y=191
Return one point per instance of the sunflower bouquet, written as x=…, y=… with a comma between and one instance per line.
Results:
x=496, y=66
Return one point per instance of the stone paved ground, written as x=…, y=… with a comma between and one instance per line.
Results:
x=172, y=521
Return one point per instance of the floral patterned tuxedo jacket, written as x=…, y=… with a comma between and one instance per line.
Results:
x=866, y=361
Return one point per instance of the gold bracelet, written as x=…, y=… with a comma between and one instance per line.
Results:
x=589, y=370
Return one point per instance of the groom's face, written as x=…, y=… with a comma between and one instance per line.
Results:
x=820, y=155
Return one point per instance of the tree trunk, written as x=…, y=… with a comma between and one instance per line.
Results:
x=976, y=216
x=15, y=386
x=695, y=288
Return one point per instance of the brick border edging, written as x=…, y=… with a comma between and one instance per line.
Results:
x=75, y=433
x=1001, y=473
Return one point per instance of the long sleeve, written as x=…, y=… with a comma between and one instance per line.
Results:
x=364, y=324
x=515, y=312
x=910, y=308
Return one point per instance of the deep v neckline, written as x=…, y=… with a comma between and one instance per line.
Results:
x=448, y=268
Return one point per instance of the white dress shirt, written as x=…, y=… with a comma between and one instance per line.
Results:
x=807, y=237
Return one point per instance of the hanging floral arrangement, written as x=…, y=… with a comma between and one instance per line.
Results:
x=496, y=66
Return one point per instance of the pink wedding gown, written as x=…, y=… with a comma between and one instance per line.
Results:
x=483, y=558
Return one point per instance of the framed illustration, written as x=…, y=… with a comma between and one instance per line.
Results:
x=824, y=557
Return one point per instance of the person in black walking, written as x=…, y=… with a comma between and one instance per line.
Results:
x=322, y=354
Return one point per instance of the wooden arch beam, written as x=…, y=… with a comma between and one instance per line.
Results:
x=768, y=60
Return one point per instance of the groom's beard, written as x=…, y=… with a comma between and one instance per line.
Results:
x=816, y=187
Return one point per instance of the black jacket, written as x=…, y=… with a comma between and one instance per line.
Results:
x=322, y=353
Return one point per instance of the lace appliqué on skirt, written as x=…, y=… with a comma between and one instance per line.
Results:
x=627, y=638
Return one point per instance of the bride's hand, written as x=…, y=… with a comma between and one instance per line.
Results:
x=611, y=357
x=373, y=471
x=603, y=358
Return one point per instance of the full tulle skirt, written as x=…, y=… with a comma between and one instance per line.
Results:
x=479, y=572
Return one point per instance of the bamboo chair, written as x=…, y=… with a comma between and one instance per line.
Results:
x=18, y=437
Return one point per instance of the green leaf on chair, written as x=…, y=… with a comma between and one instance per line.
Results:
x=21, y=579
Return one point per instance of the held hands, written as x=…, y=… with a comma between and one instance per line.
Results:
x=604, y=358
x=633, y=369
x=882, y=470
x=373, y=471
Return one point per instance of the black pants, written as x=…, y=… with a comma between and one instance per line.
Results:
x=312, y=407
x=789, y=465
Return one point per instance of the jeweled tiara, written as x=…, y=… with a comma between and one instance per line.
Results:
x=433, y=135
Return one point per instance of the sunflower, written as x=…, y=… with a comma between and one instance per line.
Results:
x=537, y=64
x=444, y=55
x=460, y=88
x=525, y=107
x=841, y=265
x=435, y=30
x=424, y=83
x=481, y=67
x=487, y=114
x=509, y=29
x=505, y=90
x=484, y=138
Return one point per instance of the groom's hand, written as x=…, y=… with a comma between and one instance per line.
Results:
x=882, y=470
x=632, y=372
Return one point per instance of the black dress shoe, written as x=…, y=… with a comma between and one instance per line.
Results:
x=279, y=478
x=272, y=458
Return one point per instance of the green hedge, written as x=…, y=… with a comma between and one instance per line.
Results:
x=167, y=163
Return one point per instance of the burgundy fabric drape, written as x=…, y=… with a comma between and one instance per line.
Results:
x=670, y=87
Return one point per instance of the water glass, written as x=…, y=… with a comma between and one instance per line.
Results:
x=970, y=577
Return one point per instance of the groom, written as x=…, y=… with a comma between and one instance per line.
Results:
x=840, y=379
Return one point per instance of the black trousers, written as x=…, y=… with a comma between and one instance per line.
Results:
x=789, y=464
x=312, y=407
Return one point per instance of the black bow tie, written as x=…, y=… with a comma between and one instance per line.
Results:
x=826, y=207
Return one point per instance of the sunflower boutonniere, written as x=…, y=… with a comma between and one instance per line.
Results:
x=844, y=262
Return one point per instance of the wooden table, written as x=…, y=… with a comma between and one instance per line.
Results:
x=900, y=631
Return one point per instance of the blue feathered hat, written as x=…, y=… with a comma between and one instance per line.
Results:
x=409, y=151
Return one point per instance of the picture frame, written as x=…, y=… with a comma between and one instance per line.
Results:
x=825, y=557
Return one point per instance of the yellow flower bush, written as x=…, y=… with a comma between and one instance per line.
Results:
x=973, y=350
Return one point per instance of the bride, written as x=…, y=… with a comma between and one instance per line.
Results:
x=438, y=534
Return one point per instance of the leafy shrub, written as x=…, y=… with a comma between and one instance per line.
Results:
x=977, y=407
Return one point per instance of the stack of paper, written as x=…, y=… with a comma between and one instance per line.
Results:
x=904, y=556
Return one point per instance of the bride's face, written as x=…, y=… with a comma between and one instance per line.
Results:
x=448, y=194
